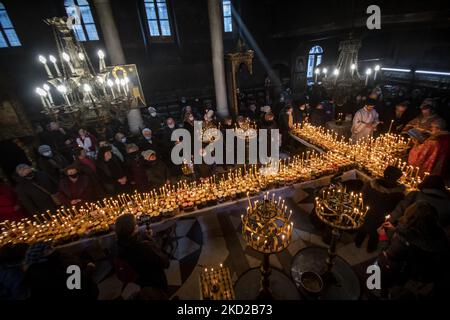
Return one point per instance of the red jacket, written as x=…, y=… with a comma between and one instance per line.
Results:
x=81, y=189
x=9, y=205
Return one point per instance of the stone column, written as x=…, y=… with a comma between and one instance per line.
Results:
x=216, y=29
x=109, y=31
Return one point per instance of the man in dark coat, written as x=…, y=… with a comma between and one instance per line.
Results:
x=152, y=121
x=51, y=162
x=120, y=142
x=54, y=136
x=111, y=172
x=381, y=196
x=147, y=141
x=136, y=168
x=146, y=259
x=301, y=112
x=286, y=123
x=35, y=189
x=75, y=188
x=157, y=172
x=396, y=118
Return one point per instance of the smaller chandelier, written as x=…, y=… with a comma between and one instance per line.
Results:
x=341, y=209
x=266, y=226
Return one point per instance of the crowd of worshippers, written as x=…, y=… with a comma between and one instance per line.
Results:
x=86, y=164
x=81, y=166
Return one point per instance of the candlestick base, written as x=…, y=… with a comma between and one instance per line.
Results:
x=248, y=286
x=340, y=283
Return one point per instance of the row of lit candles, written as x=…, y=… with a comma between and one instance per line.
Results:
x=154, y=202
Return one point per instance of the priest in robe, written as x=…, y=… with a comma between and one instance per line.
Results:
x=365, y=121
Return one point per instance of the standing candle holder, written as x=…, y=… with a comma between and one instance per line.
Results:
x=341, y=211
x=267, y=229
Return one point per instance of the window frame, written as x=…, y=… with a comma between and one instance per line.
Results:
x=230, y=16
x=3, y=30
x=83, y=23
x=316, y=53
x=160, y=38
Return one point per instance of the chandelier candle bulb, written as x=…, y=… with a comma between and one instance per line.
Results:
x=49, y=95
x=43, y=60
x=110, y=84
x=66, y=58
x=55, y=65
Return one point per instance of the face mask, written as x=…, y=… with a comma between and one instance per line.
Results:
x=124, y=140
x=153, y=114
x=148, y=138
x=47, y=154
x=73, y=176
x=30, y=175
x=171, y=126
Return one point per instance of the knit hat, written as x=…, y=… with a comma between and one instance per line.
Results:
x=147, y=153
x=146, y=130
x=392, y=174
x=21, y=167
x=125, y=225
x=44, y=149
x=427, y=104
x=151, y=109
x=265, y=109
x=38, y=252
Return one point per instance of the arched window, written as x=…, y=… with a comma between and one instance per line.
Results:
x=85, y=29
x=8, y=36
x=158, y=19
x=314, y=59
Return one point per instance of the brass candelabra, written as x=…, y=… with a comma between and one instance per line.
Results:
x=341, y=210
x=266, y=228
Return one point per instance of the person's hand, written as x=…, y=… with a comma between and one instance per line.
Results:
x=388, y=225
x=123, y=180
x=74, y=201
x=381, y=231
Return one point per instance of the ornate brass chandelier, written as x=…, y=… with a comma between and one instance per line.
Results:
x=84, y=95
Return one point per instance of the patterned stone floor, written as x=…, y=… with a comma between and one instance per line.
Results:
x=215, y=237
